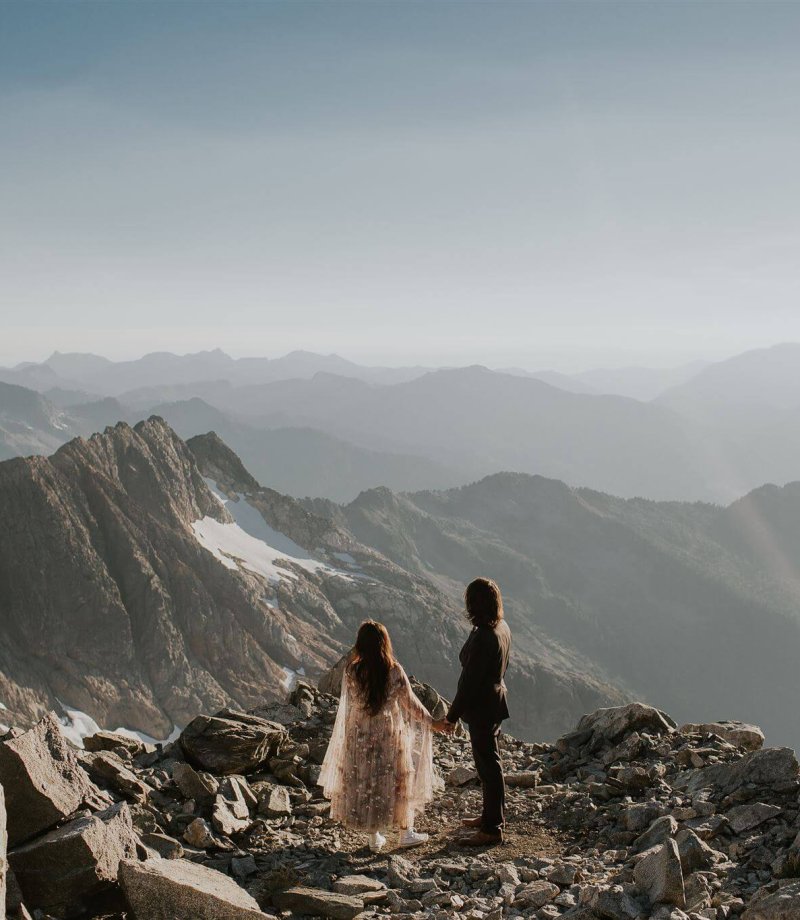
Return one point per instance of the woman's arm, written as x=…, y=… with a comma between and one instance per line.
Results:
x=410, y=701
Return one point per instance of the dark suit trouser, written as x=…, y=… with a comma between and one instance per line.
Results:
x=486, y=752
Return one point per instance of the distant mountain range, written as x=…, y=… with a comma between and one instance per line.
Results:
x=145, y=579
x=724, y=431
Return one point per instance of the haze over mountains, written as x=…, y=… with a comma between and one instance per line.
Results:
x=316, y=425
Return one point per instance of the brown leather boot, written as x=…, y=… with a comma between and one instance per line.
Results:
x=471, y=822
x=482, y=839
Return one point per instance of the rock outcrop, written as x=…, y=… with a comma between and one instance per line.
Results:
x=625, y=818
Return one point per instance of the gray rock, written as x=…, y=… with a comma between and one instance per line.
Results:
x=357, y=884
x=319, y=903
x=740, y=734
x=231, y=742
x=226, y=820
x=43, y=781
x=111, y=741
x=608, y=725
x=275, y=802
x=193, y=785
x=536, y=894
x=693, y=853
x=198, y=834
x=659, y=831
x=660, y=877
x=460, y=776
x=176, y=889
x=745, y=817
x=783, y=904
x=165, y=846
x=76, y=860
x=106, y=766
x=775, y=768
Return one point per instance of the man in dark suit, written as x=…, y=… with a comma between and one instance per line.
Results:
x=481, y=702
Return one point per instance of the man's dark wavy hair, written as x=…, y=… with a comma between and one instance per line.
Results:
x=484, y=602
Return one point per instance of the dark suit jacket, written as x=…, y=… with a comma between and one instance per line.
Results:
x=481, y=694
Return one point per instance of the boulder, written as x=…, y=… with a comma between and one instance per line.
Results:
x=460, y=776
x=775, y=768
x=783, y=904
x=693, y=852
x=165, y=846
x=226, y=818
x=175, y=889
x=536, y=894
x=661, y=829
x=107, y=767
x=111, y=741
x=76, y=860
x=275, y=802
x=606, y=726
x=230, y=742
x=318, y=903
x=198, y=834
x=357, y=884
x=660, y=877
x=193, y=785
x=744, y=818
x=740, y=734
x=43, y=781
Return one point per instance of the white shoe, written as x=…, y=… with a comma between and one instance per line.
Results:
x=412, y=838
x=377, y=842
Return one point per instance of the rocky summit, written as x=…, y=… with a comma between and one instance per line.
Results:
x=627, y=817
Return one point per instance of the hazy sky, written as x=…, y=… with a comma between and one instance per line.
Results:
x=549, y=184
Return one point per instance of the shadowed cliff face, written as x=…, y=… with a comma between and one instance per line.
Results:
x=118, y=602
x=110, y=603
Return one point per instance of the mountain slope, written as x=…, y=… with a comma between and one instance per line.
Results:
x=142, y=593
x=494, y=421
x=305, y=461
x=751, y=388
x=691, y=607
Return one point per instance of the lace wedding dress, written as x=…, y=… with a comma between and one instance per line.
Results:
x=378, y=770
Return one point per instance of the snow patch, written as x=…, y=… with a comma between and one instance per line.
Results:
x=250, y=542
x=290, y=680
x=77, y=725
x=3, y=706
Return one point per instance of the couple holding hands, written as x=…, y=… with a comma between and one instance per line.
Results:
x=378, y=769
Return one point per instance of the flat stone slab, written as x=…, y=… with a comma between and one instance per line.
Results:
x=317, y=902
x=175, y=889
x=357, y=884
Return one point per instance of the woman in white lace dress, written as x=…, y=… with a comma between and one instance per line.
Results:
x=378, y=769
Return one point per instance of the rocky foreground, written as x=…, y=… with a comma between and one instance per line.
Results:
x=626, y=817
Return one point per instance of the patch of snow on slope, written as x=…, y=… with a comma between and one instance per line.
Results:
x=77, y=725
x=250, y=541
x=290, y=681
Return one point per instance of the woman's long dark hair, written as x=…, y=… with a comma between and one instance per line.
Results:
x=484, y=602
x=371, y=664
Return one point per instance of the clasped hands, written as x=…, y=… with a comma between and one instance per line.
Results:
x=443, y=726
